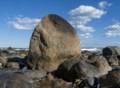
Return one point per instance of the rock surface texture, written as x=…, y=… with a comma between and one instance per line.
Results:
x=111, y=80
x=53, y=41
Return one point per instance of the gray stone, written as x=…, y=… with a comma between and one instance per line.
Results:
x=15, y=80
x=13, y=65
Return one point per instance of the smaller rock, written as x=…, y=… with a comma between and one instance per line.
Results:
x=63, y=70
x=114, y=76
x=111, y=50
x=113, y=60
x=35, y=74
x=100, y=63
x=32, y=74
x=13, y=65
x=21, y=61
x=15, y=80
x=86, y=69
x=3, y=61
x=118, y=59
x=54, y=83
x=111, y=80
x=90, y=83
x=85, y=54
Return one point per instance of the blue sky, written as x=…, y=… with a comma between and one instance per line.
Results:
x=96, y=21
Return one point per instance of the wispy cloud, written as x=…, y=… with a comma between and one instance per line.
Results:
x=86, y=35
x=113, y=30
x=104, y=4
x=24, y=23
x=82, y=15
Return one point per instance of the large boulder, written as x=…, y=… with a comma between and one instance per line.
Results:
x=52, y=41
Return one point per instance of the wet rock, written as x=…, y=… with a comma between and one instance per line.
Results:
x=53, y=41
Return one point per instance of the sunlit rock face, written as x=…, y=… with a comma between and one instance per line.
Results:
x=53, y=41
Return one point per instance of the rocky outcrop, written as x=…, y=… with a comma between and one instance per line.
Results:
x=85, y=70
x=53, y=41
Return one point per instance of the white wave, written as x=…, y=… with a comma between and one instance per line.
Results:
x=90, y=49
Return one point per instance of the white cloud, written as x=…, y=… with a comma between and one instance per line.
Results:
x=90, y=11
x=86, y=35
x=24, y=23
x=81, y=16
x=104, y=4
x=113, y=30
x=85, y=29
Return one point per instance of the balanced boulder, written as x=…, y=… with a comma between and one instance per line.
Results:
x=53, y=41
